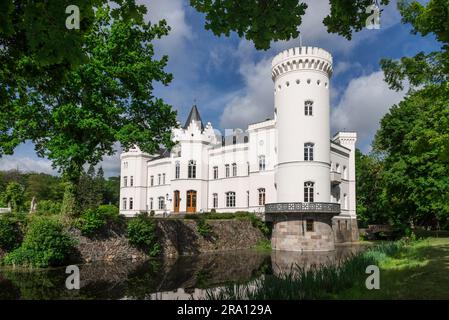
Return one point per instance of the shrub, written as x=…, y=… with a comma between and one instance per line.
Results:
x=10, y=235
x=45, y=244
x=203, y=227
x=142, y=234
x=213, y=211
x=109, y=211
x=48, y=207
x=91, y=222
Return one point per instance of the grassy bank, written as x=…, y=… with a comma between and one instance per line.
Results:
x=417, y=271
x=408, y=270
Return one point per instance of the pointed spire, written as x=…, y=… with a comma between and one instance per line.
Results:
x=194, y=115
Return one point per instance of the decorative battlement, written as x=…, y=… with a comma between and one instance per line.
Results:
x=301, y=58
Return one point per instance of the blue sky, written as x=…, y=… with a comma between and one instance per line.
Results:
x=231, y=83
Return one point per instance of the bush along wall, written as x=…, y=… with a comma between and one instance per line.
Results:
x=46, y=243
x=141, y=232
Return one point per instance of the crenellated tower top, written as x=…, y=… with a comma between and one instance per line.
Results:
x=301, y=58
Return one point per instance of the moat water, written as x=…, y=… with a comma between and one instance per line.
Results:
x=182, y=278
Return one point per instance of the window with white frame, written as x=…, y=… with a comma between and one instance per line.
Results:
x=247, y=198
x=215, y=200
x=124, y=203
x=230, y=199
x=161, y=203
x=151, y=203
x=131, y=203
x=345, y=173
x=227, y=171
x=248, y=167
x=151, y=180
x=125, y=165
x=177, y=170
x=125, y=181
x=261, y=163
x=163, y=178
x=234, y=169
x=192, y=169
x=308, y=191
x=215, y=172
x=345, y=201
x=131, y=181
x=261, y=196
x=308, y=108
x=308, y=151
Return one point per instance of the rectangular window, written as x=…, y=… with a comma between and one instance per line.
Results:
x=308, y=108
x=131, y=203
x=159, y=179
x=151, y=203
x=234, y=170
x=247, y=199
x=151, y=180
x=124, y=203
x=131, y=181
x=215, y=172
x=215, y=200
x=163, y=178
x=161, y=203
x=227, y=170
x=125, y=181
x=230, y=199
x=192, y=169
x=261, y=197
x=177, y=170
x=309, y=225
x=261, y=163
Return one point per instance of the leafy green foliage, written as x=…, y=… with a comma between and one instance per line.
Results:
x=10, y=234
x=204, y=228
x=142, y=234
x=413, y=136
x=92, y=221
x=14, y=196
x=45, y=244
x=48, y=207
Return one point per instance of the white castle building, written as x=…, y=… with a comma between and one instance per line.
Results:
x=287, y=166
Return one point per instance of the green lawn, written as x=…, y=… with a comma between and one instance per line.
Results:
x=419, y=271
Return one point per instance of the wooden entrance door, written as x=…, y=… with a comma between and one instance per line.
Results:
x=176, y=199
x=191, y=201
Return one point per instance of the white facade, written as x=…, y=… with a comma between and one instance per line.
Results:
x=289, y=158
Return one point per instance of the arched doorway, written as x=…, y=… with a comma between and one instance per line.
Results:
x=176, y=200
x=191, y=201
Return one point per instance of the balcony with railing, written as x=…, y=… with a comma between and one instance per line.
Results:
x=303, y=207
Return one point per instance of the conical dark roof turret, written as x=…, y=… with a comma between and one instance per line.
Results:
x=194, y=115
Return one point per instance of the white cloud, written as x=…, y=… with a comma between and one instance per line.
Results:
x=26, y=164
x=363, y=103
x=255, y=101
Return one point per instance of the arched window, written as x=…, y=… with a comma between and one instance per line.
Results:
x=345, y=201
x=151, y=180
x=131, y=203
x=131, y=181
x=234, y=170
x=261, y=163
x=177, y=170
x=261, y=196
x=215, y=172
x=308, y=108
x=227, y=170
x=192, y=169
x=125, y=181
x=159, y=179
x=345, y=173
x=308, y=151
x=163, y=178
x=230, y=199
x=161, y=203
x=151, y=203
x=308, y=191
x=215, y=200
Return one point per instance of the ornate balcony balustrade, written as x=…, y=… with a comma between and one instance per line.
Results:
x=303, y=207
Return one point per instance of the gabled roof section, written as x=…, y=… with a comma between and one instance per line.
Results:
x=194, y=115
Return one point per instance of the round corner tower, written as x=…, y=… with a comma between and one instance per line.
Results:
x=302, y=215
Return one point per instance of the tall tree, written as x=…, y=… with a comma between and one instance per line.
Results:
x=14, y=196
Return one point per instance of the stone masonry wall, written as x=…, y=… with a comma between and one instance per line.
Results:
x=177, y=237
